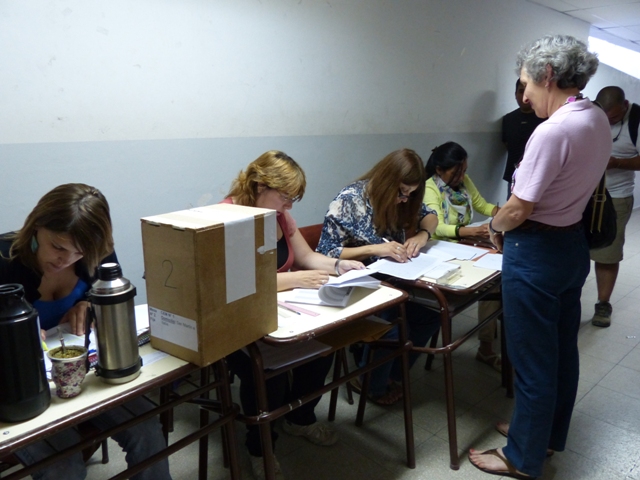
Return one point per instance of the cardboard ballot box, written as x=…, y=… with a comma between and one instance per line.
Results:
x=211, y=280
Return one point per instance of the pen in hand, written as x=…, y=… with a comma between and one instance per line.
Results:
x=386, y=240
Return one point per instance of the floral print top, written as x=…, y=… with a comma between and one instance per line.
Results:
x=349, y=222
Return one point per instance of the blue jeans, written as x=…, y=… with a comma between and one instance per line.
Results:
x=422, y=324
x=542, y=277
x=140, y=442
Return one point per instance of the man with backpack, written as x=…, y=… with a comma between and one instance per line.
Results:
x=625, y=160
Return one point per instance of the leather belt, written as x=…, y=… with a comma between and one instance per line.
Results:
x=543, y=227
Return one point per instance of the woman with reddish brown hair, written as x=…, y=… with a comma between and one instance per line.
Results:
x=382, y=215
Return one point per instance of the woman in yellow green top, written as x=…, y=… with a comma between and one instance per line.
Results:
x=451, y=193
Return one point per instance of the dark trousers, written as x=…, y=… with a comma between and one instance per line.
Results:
x=542, y=277
x=307, y=378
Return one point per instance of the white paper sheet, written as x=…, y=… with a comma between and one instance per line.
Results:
x=461, y=252
x=419, y=266
x=491, y=261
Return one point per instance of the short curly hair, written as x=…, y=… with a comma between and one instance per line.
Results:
x=276, y=170
x=572, y=64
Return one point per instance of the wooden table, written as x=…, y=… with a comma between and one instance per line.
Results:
x=336, y=327
x=98, y=397
x=449, y=301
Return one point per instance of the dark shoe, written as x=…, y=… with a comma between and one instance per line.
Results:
x=602, y=315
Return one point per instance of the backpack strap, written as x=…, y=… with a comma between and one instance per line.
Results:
x=634, y=122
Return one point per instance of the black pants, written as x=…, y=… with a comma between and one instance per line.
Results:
x=307, y=378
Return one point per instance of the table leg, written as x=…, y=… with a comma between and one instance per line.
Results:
x=203, y=443
x=230, y=443
x=263, y=406
x=406, y=391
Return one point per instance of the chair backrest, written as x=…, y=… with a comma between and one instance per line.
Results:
x=311, y=234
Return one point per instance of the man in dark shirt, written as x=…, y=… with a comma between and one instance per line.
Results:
x=517, y=127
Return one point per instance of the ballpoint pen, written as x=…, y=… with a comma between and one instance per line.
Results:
x=286, y=307
x=386, y=240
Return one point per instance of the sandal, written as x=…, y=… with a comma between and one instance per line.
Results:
x=493, y=360
x=511, y=471
x=503, y=429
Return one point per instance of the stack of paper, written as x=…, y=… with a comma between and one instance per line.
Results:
x=337, y=291
x=442, y=273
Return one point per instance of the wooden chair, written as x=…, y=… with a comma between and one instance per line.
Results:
x=311, y=234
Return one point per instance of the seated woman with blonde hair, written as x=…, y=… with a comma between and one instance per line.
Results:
x=451, y=193
x=274, y=180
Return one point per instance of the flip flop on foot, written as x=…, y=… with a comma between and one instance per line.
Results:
x=503, y=429
x=494, y=462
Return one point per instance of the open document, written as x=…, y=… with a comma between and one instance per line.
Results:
x=337, y=291
x=433, y=266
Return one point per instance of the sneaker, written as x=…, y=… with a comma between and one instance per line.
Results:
x=257, y=467
x=602, y=316
x=318, y=433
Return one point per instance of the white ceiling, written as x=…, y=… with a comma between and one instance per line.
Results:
x=617, y=18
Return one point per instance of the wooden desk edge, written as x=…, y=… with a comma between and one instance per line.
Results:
x=68, y=421
x=335, y=324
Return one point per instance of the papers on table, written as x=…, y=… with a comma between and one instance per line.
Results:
x=492, y=262
x=337, y=291
x=412, y=270
x=453, y=250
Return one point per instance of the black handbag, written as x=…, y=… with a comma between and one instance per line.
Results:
x=599, y=218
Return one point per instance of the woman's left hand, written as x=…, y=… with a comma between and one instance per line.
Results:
x=414, y=244
x=497, y=239
x=76, y=317
x=346, y=265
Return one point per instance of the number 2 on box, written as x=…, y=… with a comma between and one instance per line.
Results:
x=166, y=280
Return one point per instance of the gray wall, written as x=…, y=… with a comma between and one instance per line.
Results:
x=161, y=103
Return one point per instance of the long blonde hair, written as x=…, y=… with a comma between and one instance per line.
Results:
x=74, y=209
x=274, y=169
x=403, y=166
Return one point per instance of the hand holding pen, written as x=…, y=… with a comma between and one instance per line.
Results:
x=392, y=249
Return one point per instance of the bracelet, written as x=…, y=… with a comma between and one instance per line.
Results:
x=494, y=232
x=458, y=230
x=337, y=267
x=425, y=230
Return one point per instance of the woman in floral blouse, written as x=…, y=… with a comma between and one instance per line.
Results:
x=382, y=215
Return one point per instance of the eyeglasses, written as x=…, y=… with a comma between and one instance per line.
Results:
x=286, y=198
x=618, y=135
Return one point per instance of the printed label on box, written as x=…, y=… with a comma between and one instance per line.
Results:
x=173, y=328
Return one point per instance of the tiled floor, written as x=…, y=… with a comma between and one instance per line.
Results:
x=604, y=442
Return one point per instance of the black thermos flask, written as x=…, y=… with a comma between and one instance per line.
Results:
x=24, y=389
